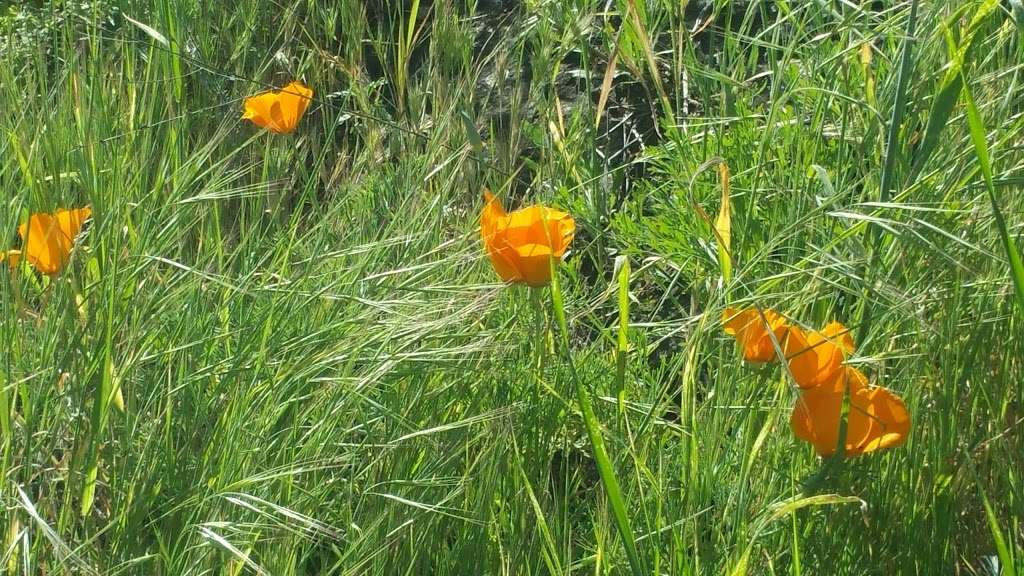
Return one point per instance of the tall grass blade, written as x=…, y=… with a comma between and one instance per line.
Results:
x=949, y=90
x=105, y=394
x=979, y=138
x=149, y=30
x=607, y=80
x=622, y=344
x=781, y=510
x=892, y=152
x=899, y=107
x=1003, y=550
x=605, y=468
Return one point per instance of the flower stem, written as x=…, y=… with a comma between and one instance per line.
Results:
x=604, y=464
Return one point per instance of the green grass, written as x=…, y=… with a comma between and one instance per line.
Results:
x=322, y=375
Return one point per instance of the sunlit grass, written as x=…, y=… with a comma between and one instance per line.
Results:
x=321, y=372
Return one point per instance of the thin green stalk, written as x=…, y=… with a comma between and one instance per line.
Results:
x=1003, y=550
x=977, y=128
x=622, y=348
x=538, y=332
x=101, y=404
x=604, y=464
x=539, y=351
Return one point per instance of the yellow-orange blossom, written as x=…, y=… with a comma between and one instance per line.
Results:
x=877, y=417
x=521, y=245
x=278, y=111
x=47, y=239
x=756, y=331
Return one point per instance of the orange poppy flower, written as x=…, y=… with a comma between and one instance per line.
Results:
x=47, y=239
x=877, y=418
x=754, y=333
x=815, y=357
x=522, y=244
x=280, y=110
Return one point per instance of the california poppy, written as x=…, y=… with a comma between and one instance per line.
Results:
x=877, y=418
x=521, y=245
x=47, y=239
x=754, y=332
x=279, y=110
x=814, y=357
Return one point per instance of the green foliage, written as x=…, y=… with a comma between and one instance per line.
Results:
x=321, y=375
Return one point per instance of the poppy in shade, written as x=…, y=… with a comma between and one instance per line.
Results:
x=47, y=239
x=279, y=110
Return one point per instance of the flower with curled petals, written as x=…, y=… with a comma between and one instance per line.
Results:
x=877, y=418
x=815, y=357
x=47, y=240
x=279, y=110
x=522, y=245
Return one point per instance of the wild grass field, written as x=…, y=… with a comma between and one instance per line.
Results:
x=290, y=354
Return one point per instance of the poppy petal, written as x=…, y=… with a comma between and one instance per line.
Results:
x=734, y=319
x=888, y=417
x=812, y=358
x=564, y=233
x=840, y=335
x=877, y=419
x=847, y=377
x=757, y=332
x=492, y=215
x=47, y=239
x=294, y=100
x=534, y=262
x=70, y=223
x=522, y=244
x=264, y=110
x=815, y=419
x=502, y=256
x=41, y=243
x=504, y=260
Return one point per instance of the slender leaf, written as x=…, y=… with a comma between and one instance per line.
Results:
x=605, y=468
x=978, y=137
